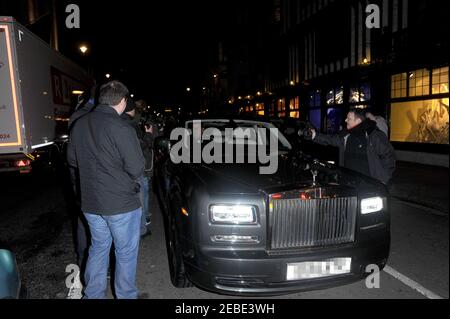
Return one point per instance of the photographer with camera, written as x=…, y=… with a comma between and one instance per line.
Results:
x=145, y=133
x=362, y=146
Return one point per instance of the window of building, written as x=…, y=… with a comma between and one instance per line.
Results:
x=315, y=118
x=281, y=108
x=439, y=80
x=398, y=85
x=335, y=96
x=314, y=98
x=419, y=83
x=360, y=93
x=333, y=120
x=260, y=109
x=272, y=109
x=294, y=107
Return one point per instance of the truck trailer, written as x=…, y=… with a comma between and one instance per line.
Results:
x=39, y=89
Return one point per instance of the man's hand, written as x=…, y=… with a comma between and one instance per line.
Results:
x=313, y=134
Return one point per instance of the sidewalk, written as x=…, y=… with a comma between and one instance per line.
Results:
x=422, y=184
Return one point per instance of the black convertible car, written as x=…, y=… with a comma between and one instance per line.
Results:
x=232, y=230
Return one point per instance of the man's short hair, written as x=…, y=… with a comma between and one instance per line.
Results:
x=112, y=93
x=359, y=113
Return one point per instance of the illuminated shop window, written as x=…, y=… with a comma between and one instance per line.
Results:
x=423, y=121
x=335, y=96
x=440, y=80
x=419, y=82
x=360, y=93
x=315, y=118
x=398, y=85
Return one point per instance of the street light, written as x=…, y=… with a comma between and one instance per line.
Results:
x=84, y=49
x=188, y=89
x=108, y=75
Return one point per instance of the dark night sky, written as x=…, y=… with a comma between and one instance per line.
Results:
x=162, y=47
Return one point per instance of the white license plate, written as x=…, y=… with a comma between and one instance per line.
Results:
x=317, y=269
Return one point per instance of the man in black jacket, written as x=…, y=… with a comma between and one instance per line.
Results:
x=362, y=147
x=109, y=159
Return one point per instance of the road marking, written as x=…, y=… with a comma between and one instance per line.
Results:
x=411, y=283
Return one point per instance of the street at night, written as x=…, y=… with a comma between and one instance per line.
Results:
x=40, y=231
x=224, y=157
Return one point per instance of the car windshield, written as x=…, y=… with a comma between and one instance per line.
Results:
x=237, y=132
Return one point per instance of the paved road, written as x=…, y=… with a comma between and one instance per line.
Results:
x=34, y=220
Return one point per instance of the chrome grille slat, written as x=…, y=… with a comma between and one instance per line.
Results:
x=297, y=223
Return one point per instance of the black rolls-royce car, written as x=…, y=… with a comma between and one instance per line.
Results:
x=232, y=230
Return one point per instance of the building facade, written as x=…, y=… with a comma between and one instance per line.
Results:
x=387, y=55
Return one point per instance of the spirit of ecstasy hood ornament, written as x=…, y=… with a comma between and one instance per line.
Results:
x=314, y=175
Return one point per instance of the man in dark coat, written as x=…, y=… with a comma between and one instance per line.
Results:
x=362, y=147
x=107, y=154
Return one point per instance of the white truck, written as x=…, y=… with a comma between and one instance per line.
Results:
x=39, y=88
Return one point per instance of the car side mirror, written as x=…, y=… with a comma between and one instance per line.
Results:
x=163, y=144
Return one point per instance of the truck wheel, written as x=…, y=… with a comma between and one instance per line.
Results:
x=176, y=265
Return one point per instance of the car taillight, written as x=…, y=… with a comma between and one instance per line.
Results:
x=22, y=163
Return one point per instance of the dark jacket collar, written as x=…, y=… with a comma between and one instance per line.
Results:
x=105, y=109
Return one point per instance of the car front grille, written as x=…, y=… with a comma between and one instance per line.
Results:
x=296, y=223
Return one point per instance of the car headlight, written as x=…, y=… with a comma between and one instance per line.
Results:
x=233, y=214
x=371, y=205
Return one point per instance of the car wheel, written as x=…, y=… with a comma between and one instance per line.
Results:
x=177, y=272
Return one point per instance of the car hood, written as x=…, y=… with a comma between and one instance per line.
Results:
x=294, y=172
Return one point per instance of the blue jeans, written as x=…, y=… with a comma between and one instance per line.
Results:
x=124, y=230
x=144, y=182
